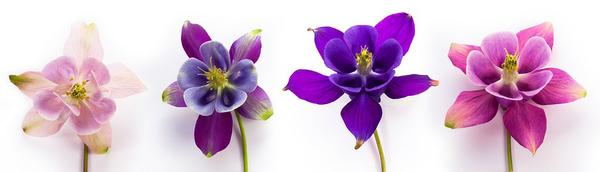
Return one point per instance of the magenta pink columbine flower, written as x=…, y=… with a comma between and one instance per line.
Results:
x=77, y=87
x=510, y=69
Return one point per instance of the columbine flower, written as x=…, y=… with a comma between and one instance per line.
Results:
x=77, y=87
x=510, y=69
x=214, y=82
x=364, y=58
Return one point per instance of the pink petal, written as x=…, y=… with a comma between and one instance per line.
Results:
x=458, y=55
x=48, y=104
x=471, y=108
x=85, y=123
x=31, y=82
x=99, y=142
x=61, y=70
x=534, y=55
x=123, y=82
x=508, y=91
x=36, y=125
x=532, y=83
x=496, y=45
x=561, y=89
x=101, y=109
x=526, y=123
x=544, y=30
x=480, y=70
x=92, y=65
x=84, y=42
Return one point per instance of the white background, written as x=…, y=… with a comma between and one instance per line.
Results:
x=149, y=135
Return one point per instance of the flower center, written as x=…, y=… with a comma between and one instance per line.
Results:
x=364, y=61
x=510, y=67
x=216, y=77
x=78, y=91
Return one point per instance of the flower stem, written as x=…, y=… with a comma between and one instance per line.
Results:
x=508, y=152
x=243, y=134
x=85, y=158
x=380, y=149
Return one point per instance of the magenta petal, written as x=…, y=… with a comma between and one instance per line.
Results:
x=246, y=47
x=61, y=70
x=508, y=91
x=173, y=95
x=257, y=106
x=361, y=116
x=399, y=26
x=458, y=55
x=526, y=123
x=561, y=89
x=338, y=57
x=213, y=132
x=408, y=85
x=532, y=83
x=323, y=35
x=496, y=45
x=480, y=70
x=535, y=55
x=192, y=36
x=101, y=109
x=100, y=71
x=544, y=30
x=471, y=108
x=313, y=87
x=48, y=104
x=36, y=125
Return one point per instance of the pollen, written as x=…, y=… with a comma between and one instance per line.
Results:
x=364, y=60
x=510, y=66
x=78, y=91
x=216, y=77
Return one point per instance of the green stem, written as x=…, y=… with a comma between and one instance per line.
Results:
x=508, y=152
x=243, y=134
x=380, y=149
x=85, y=158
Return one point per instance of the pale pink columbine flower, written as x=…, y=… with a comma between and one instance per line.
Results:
x=77, y=87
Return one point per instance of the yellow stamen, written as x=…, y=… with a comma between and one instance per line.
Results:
x=364, y=61
x=78, y=91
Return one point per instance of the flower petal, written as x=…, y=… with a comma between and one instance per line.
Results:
x=376, y=84
x=471, y=108
x=338, y=57
x=508, y=91
x=192, y=36
x=213, y=132
x=101, y=109
x=388, y=56
x=31, y=82
x=243, y=75
x=480, y=70
x=61, y=70
x=246, y=47
x=323, y=35
x=561, y=89
x=215, y=54
x=360, y=36
x=257, y=106
x=399, y=26
x=229, y=99
x=200, y=99
x=496, y=45
x=92, y=65
x=534, y=55
x=84, y=42
x=409, y=85
x=361, y=116
x=85, y=123
x=313, y=87
x=48, y=104
x=173, y=95
x=544, y=30
x=123, y=82
x=99, y=142
x=527, y=124
x=36, y=125
x=191, y=74
x=348, y=82
x=458, y=54
x=532, y=83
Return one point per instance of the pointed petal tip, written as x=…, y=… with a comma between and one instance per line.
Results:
x=165, y=96
x=14, y=79
x=256, y=32
x=209, y=155
x=266, y=115
x=310, y=29
x=359, y=143
x=434, y=82
x=450, y=125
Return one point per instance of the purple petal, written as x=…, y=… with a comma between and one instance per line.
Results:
x=561, y=89
x=376, y=84
x=347, y=82
x=200, y=99
x=246, y=47
x=215, y=54
x=229, y=99
x=361, y=116
x=338, y=57
x=409, y=85
x=257, y=106
x=36, y=125
x=360, y=36
x=471, y=108
x=532, y=83
x=535, y=55
x=496, y=45
x=173, y=95
x=399, y=26
x=508, y=91
x=313, y=87
x=191, y=74
x=48, y=104
x=85, y=123
x=192, y=36
x=480, y=70
x=101, y=109
x=387, y=57
x=527, y=124
x=31, y=82
x=458, y=54
x=243, y=75
x=92, y=65
x=323, y=35
x=61, y=70
x=213, y=132
x=544, y=30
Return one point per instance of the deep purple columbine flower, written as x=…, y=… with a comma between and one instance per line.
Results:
x=363, y=58
x=215, y=82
